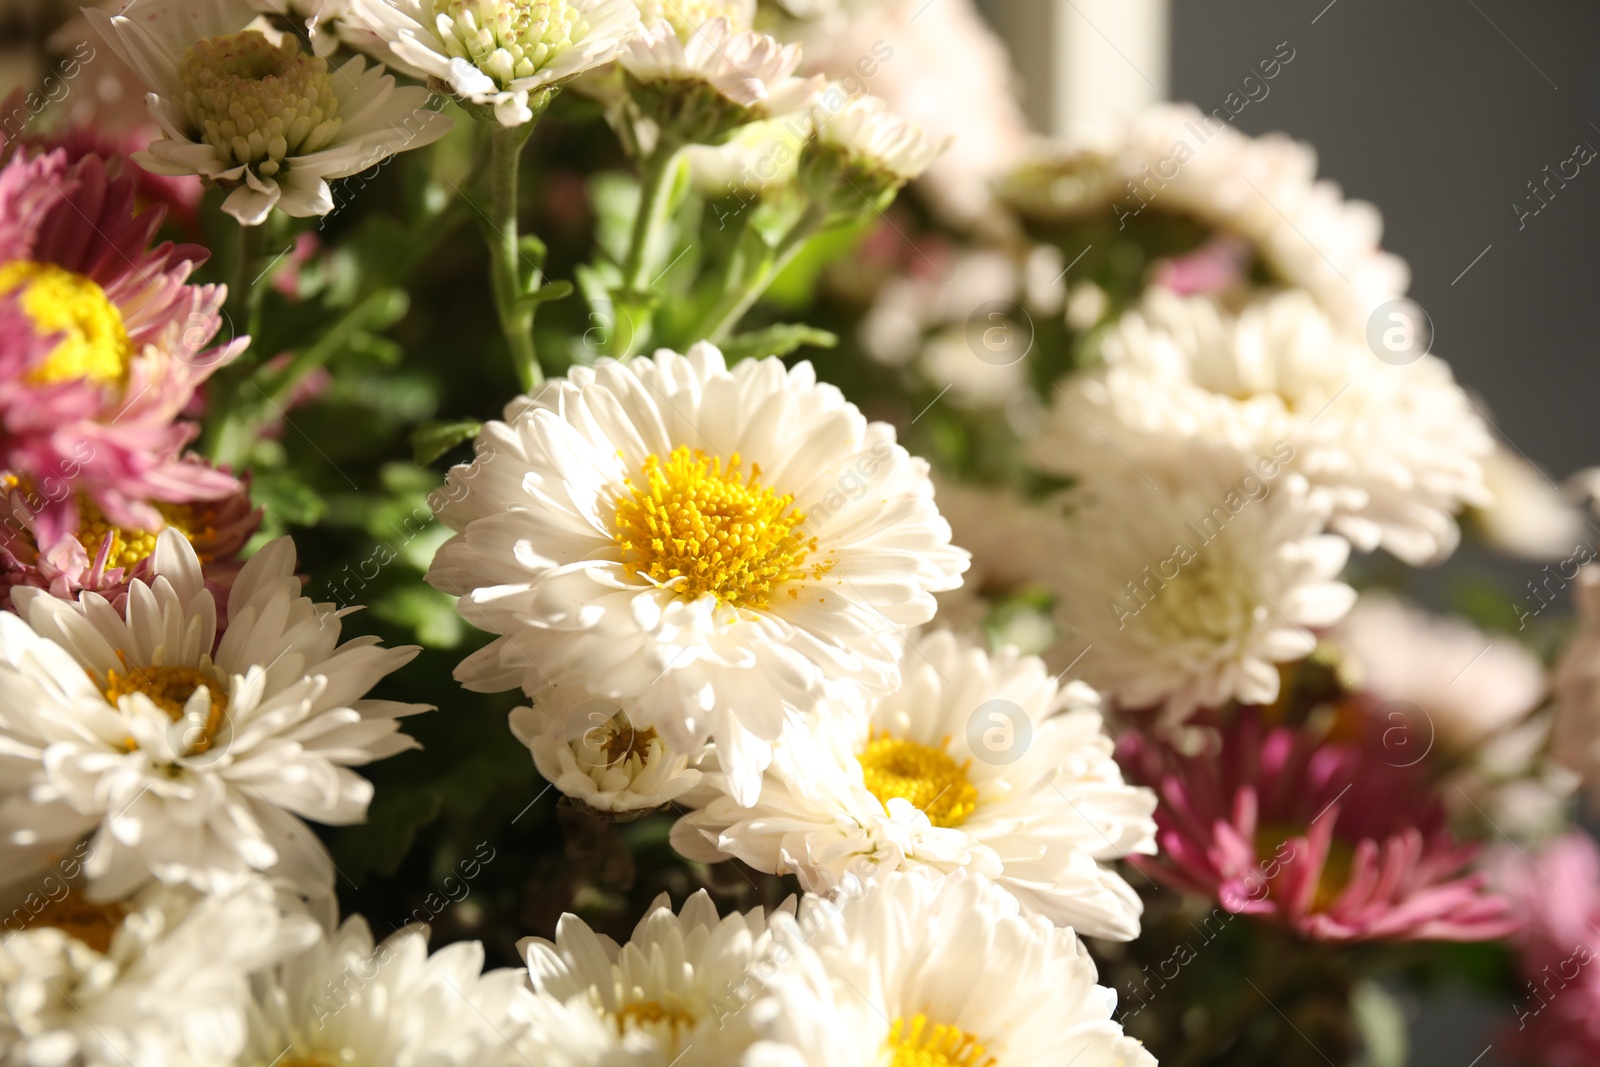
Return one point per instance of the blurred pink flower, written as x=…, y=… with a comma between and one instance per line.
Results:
x=101, y=346
x=1214, y=267
x=1325, y=838
x=1558, y=893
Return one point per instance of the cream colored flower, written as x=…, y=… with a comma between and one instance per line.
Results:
x=496, y=52
x=246, y=109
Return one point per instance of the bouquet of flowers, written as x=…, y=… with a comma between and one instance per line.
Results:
x=846, y=582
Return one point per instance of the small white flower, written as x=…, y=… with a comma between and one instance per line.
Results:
x=719, y=549
x=871, y=139
x=157, y=979
x=246, y=109
x=1396, y=450
x=1529, y=516
x=687, y=16
x=590, y=750
x=977, y=762
x=716, y=79
x=343, y=1000
x=1172, y=159
x=1469, y=686
x=919, y=972
x=496, y=52
x=686, y=989
x=183, y=755
x=1189, y=595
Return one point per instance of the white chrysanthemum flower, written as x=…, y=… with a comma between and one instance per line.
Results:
x=251, y=112
x=1188, y=596
x=687, y=16
x=1011, y=542
x=1173, y=160
x=320, y=18
x=719, y=549
x=686, y=989
x=1528, y=516
x=979, y=762
x=940, y=66
x=589, y=749
x=1395, y=449
x=157, y=979
x=715, y=79
x=919, y=972
x=184, y=755
x=346, y=1001
x=1468, y=685
x=497, y=52
x=870, y=141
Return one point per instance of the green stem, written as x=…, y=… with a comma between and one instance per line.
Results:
x=738, y=300
x=505, y=256
x=654, y=180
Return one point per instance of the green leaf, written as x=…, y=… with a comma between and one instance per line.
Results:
x=286, y=498
x=433, y=439
x=382, y=842
x=1381, y=1022
x=777, y=340
x=430, y=614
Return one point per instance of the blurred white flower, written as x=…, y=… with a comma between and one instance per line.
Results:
x=719, y=549
x=590, y=750
x=1173, y=160
x=1190, y=596
x=187, y=756
x=873, y=145
x=254, y=114
x=496, y=52
x=159, y=978
x=977, y=762
x=1470, y=686
x=627, y=1006
x=918, y=972
x=1395, y=450
x=1529, y=516
x=1010, y=541
x=346, y=1000
x=937, y=65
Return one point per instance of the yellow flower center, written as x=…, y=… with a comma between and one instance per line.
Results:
x=93, y=924
x=919, y=1043
x=510, y=39
x=256, y=102
x=927, y=777
x=687, y=16
x=170, y=688
x=129, y=546
x=1335, y=876
x=712, y=532
x=94, y=342
x=652, y=1014
x=623, y=742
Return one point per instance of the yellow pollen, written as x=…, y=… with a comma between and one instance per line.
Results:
x=93, y=924
x=94, y=342
x=711, y=531
x=652, y=1013
x=918, y=1043
x=257, y=103
x=1335, y=875
x=129, y=546
x=927, y=777
x=169, y=688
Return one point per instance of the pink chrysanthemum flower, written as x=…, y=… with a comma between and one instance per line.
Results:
x=101, y=344
x=1558, y=952
x=38, y=550
x=1323, y=837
